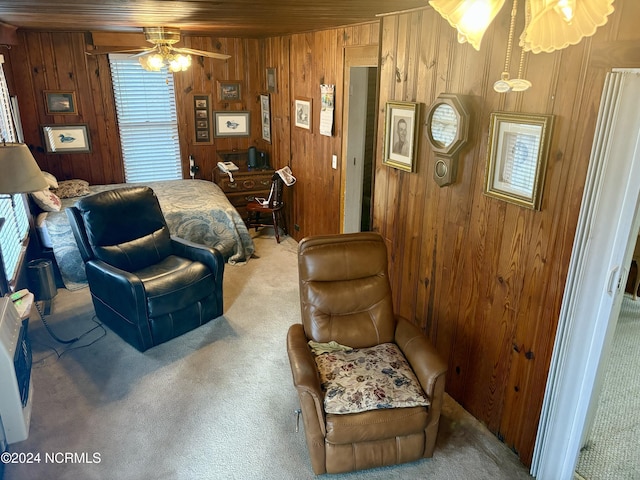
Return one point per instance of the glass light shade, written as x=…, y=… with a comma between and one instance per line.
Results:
x=179, y=63
x=556, y=24
x=20, y=172
x=470, y=18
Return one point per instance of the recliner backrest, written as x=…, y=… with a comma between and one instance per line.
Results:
x=124, y=227
x=345, y=294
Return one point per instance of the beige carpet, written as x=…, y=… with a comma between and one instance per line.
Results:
x=612, y=450
x=216, y=403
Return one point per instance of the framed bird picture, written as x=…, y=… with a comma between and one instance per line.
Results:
x=66, y=138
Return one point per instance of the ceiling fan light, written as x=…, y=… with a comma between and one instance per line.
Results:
x=470, y=18
x=553, y=28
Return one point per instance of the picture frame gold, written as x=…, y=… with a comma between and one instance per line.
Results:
x=518, y=151
x=60, y=102
x=303, y=113
x=401, y=128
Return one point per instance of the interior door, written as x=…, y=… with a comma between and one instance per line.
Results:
x=608, y=222
x=357, y=91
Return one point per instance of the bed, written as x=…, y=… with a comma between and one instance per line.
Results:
x=196, y=210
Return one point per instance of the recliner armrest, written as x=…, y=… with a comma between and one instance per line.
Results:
x=421, y=355
x=304, y=369
x=196, y=252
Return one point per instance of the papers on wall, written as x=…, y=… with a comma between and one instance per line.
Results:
x=326, y=112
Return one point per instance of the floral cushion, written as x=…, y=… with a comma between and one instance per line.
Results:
x=72, y=188
x=364, y=379
x=47, y=200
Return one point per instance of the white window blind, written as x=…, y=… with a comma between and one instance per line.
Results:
x=12, y=207
x=147, y=119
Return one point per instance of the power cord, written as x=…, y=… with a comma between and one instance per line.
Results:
x=40, y=362
x=53, y=335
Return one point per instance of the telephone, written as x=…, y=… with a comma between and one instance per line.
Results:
x=227, y=167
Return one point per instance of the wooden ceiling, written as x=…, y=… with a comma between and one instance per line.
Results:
x=224, y=18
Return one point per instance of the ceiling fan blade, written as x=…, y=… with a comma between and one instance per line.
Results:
x=106, y=52
x=201, y=53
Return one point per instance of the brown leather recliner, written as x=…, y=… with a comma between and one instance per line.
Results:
x=346, y=297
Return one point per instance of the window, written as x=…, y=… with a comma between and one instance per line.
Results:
x=12, y=207
x=147, y=119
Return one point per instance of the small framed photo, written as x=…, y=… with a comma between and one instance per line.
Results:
x=402, y=120
x=66, y=138
x=272, y=84
x=231, y=124
x=60, y=103
x=265, y=115
x=303, y=113
x=229, y=91
x=517, y=159
x=202, y=118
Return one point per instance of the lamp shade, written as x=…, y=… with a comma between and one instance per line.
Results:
x=470, y=17
x=19, y=172
x=556, y=24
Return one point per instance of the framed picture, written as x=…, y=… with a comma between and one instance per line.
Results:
x=202, y=118
x=229, y=91
x=272, y=84
x=60, y=103
x=265, y=115
x=402, y=120
x=518, y=150
x=303, y=113
x=231, y=124
x=66, y=138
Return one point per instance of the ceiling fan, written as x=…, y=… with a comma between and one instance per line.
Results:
x=163, y=53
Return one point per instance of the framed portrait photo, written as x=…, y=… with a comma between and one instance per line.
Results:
x=402, y=120
x=66, y=138
x=302, y=113
x=60, y=103
x=517, y=159
x=231, y=124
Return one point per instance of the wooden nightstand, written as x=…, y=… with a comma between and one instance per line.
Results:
x=247, y=184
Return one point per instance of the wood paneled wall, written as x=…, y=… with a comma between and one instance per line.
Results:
x=482, y=277
x=57, y=61
x=304, y=62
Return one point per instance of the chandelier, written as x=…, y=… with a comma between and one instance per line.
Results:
x=553, y=25
x=165, y=57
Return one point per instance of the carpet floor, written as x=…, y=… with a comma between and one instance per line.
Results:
x=215, y=403
x=611, y=451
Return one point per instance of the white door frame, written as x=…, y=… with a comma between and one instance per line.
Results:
x=607, y=229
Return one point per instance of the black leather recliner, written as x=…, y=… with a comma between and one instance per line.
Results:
x=146, y=285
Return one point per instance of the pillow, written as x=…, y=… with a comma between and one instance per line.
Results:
x=72, y=188
x=368, y=379
x=47, y=200
x=51, y=180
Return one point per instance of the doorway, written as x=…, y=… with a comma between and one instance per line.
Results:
x=603, y=245
x=358, y=148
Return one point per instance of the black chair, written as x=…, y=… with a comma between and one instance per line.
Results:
x=146, y=285
x=274, y=208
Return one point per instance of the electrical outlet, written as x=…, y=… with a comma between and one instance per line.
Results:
x=334, y=162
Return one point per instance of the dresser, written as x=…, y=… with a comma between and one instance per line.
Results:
x=247, y=184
